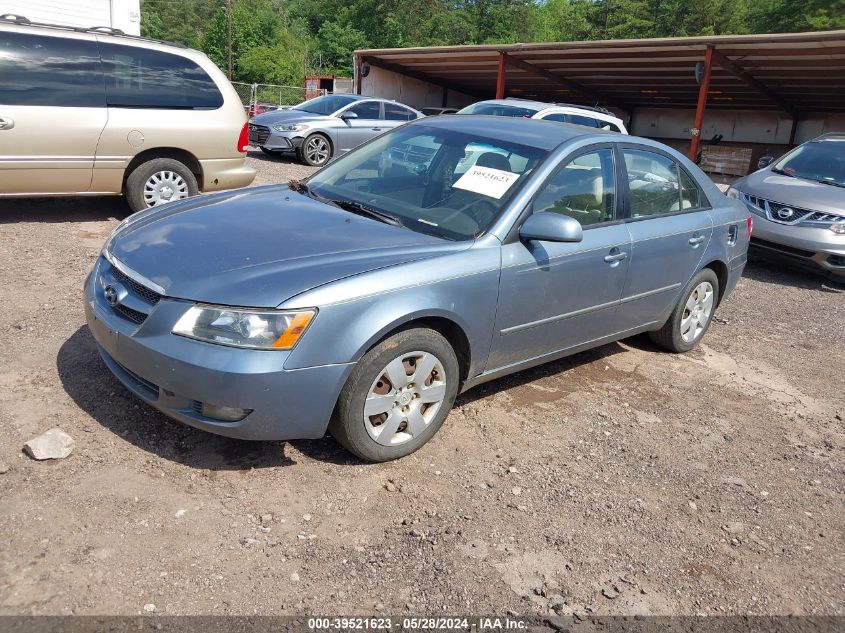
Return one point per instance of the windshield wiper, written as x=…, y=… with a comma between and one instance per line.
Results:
x=832, y=183
x=781, y=172
x=362, y=209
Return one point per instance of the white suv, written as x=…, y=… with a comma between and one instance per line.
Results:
x=564, y=113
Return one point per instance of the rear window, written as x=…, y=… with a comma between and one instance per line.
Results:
x=49, y=71
x=144, y=78
x=495, y=109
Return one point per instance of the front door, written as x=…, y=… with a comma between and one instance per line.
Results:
x=670, y=228
x=366, y=124
x=52, y=111
x=555, y=296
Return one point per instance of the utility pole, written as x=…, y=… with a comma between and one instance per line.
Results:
x=229, y=36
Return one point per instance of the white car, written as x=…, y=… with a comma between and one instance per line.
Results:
x=564, y=113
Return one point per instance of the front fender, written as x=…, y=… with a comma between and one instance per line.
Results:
x=344, y=330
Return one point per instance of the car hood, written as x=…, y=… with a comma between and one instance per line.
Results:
x=286, y=116
x=259, y=247
x=794, y=192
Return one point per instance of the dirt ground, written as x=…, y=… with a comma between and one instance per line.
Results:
x=623, y=480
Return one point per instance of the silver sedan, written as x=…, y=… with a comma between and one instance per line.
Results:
x=320, y=128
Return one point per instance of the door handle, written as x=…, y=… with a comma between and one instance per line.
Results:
x=615, y=258
x=695, y=241
x=6, y=123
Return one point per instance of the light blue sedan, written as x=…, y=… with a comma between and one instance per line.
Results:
x=443, y=254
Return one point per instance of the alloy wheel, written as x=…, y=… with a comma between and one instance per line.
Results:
x=405, y=398
x=697, y=312
x=317, y=150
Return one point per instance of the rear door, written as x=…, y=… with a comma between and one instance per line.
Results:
x=52, y=112
x=369, y=123
x=670, y=225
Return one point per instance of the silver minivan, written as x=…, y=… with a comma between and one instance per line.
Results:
x=96, y=112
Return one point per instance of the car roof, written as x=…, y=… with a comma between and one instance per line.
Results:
x=517, y=103
x=544, y=135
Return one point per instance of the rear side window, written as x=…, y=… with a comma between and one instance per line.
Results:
x=49, y=71
x=143, y=78
x=654, y=185
x=586, y=121
x=556, y=116
x=395, y=112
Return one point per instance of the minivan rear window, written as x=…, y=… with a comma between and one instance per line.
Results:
x=145, y=78
x=37, y=70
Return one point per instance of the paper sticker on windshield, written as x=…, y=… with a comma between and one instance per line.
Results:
x=487, y=181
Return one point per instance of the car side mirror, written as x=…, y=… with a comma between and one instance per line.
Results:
x=551, y=227
x=765, y=161
x=348, y=116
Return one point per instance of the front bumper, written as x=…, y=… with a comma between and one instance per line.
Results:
x=176, y=375
x=813, y=248
x=272, y=139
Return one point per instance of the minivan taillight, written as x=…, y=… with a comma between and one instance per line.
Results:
x=750, y=223
x=243, y=139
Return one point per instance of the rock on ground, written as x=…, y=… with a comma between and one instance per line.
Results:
x=54, y=444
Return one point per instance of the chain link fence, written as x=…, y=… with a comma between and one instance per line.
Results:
x=276, y=95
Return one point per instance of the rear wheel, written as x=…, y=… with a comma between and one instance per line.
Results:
x=316, y=150
x=398, y=396
x=692, y=315
x=159, y=181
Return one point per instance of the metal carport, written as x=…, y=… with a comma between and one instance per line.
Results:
x=791, y=72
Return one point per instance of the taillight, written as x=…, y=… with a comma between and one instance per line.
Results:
x=750, y=223
x=243, y=139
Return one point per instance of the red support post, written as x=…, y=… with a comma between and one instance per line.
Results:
x=358, y=77
x=500, y=77
x=702, y=103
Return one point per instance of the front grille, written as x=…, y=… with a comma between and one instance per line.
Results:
x=139, y=290
x=786, y=214
x=132, y=315
x=258, y=134
x=789, y=250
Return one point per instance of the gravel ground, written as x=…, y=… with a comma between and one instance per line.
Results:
x=623, y=480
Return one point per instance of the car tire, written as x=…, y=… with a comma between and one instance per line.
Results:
x=270, y=152
x=413, y=411
x=692, y=316
x=158, y=181
x=316, y=150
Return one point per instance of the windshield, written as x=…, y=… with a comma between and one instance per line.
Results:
x=328, y=104
x=435, y=181
x=496, y=109
x=822, y=161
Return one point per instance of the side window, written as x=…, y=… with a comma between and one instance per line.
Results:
x=395, y=112
x=50, y=71
x=584, y=189
x=652, y=183
x=691, y=196
x=586, y=121
x=144, y=78
x=367, y=110
x=555, y=116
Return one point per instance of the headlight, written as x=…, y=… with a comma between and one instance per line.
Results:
x=732, y=193
x=299, y=127
x=838, y=228
x=255, y=329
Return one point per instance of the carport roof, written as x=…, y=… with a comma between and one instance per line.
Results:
x=788, y=71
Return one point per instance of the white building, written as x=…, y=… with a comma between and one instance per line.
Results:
x=119, y=14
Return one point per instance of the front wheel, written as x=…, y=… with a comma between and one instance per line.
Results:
x=398, y=396
x=316, y=150
x=692, y=315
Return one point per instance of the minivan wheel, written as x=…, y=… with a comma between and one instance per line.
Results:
x=398, y=396
x=159, y=181
x=315, y=150
x=692, y=315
